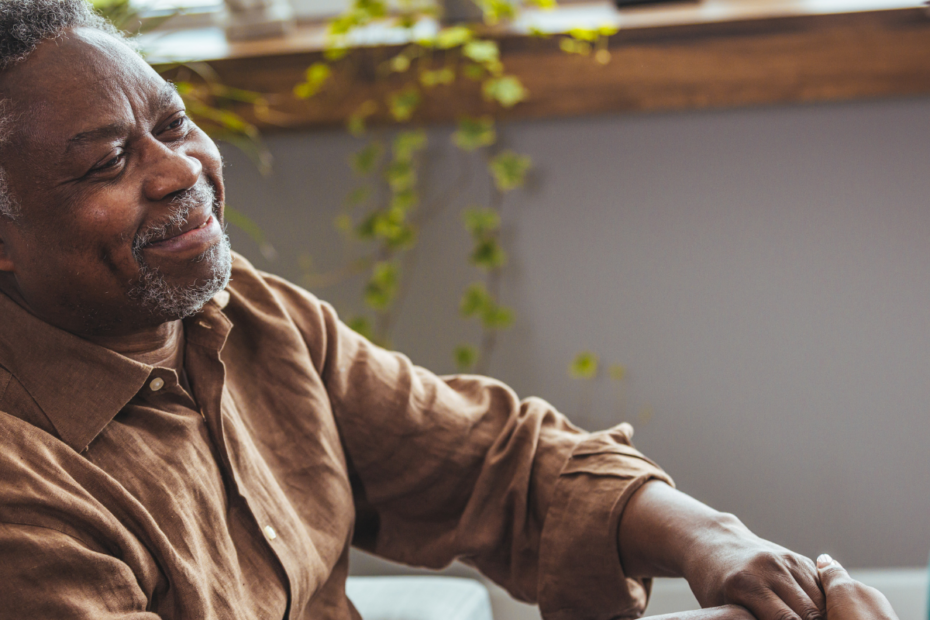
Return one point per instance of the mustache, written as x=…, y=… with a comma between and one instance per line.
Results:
x=181, y=206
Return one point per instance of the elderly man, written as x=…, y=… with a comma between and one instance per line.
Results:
x=182, y=436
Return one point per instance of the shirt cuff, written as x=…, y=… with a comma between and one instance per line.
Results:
x=580, y=576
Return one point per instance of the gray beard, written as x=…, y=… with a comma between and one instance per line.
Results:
x=178, y=302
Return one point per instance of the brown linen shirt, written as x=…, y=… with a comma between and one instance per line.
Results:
x=124, y=497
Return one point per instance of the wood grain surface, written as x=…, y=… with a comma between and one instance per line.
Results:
x=752, y=62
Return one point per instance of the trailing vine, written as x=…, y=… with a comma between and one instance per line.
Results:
x=387, y=209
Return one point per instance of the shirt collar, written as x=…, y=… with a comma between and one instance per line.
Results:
x=79, y=385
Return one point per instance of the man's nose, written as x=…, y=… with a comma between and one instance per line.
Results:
x=170, y=171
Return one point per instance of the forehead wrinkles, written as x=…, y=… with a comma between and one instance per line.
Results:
x=77, y=83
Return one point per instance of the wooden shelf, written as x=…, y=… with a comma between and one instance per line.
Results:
x=685, y=57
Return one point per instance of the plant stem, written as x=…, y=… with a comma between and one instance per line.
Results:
x=489, y=335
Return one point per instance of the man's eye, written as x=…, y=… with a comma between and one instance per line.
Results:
x=113, y=162
x=177, y=123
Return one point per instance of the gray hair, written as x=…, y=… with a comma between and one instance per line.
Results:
x=24, y=24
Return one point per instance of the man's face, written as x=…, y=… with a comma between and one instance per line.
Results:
x=121, y=195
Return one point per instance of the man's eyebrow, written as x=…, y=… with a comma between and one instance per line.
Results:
x=107, y=132
x=165, y=99
x=169, y=93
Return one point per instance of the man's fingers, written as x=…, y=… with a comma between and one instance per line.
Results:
x=767, y=605
x=805, y=574
x=798, y=600
x=830, y=571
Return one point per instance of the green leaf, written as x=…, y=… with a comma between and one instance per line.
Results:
x=366, y=228
x=361, y=13
x=453, y=37
x=405, y=200
x=362, y=326
x=616, y=372
x=400, y=63
x=475, y=300
x=509, y=170
x=474, y=72
x=389, y=225
x=546, y=5
x=497, y=317
x=444, y=76
x=365, y=161
x=483, y=52
x=474, y=133
x=539, y=33
x=584, y=34
x=488, y=254
x=481, y=222
x=316, y=76
x=335, y=52
x=356, y=123
x=382, y=286
x=184, y=88
x=584, y=366
x=409, y=142
x=401, y=175
x=402, y=237
x=465, y=357
x=404, y=103
x=506, y=90
x=496, y=10
x=571, y=46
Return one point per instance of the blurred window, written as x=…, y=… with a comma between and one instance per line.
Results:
x=309, y=10
x=150, y=7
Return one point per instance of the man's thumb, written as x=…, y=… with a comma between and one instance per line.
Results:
x=830, y=571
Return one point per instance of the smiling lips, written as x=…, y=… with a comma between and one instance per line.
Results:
x=194, y=236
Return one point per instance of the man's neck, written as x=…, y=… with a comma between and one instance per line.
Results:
x=162, y=345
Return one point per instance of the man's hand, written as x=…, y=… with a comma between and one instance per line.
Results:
x=731, y=565
x=666, y=533
x=848, y=599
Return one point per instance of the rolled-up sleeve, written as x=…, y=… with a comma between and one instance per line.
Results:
x=581, y=577
x=460, y=467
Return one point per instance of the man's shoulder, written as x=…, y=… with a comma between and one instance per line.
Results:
x=250, y=283
x=265, y=301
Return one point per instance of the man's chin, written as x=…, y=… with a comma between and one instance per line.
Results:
x=176, y=291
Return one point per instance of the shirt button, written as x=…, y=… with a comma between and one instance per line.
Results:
x=156, y=384
x=269, y=532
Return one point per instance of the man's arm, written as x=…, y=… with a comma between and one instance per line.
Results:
x=664, y=532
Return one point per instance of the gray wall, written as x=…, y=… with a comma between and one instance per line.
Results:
x=763, y=274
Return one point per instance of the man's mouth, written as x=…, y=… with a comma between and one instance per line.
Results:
x=191, y=240
x=195, y=222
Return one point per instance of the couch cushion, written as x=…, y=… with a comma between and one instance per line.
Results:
x=419, y=598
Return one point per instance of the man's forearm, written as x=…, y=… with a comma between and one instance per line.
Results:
x=666, y=533
x=661, y=530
